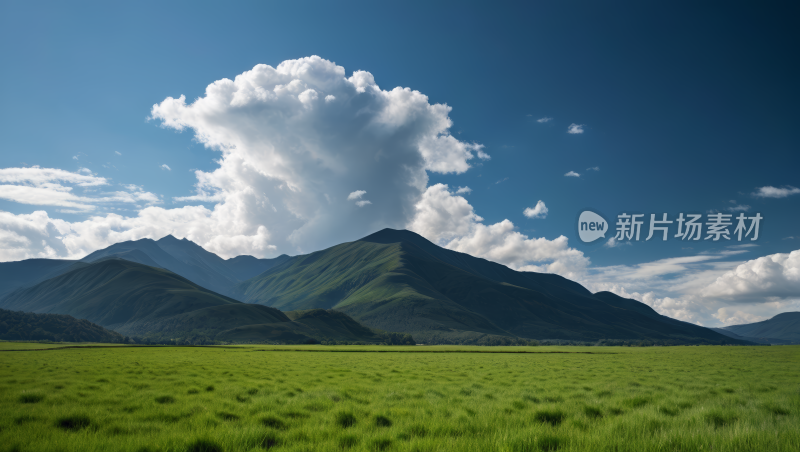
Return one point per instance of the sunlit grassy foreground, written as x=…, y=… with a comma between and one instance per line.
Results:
x=255, y=398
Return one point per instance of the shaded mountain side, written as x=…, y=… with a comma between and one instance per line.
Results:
x=14, y=275
x=399, y=281
x=783, y=328
x=26, y=326
x=246, y=267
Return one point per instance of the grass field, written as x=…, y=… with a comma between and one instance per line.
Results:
x=349, y=398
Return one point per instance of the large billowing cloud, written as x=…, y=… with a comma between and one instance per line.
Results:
x=297, y=139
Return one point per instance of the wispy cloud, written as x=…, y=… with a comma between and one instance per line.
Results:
x=614, y=243
x=575, y=128
x=55, y=187
x=166, y=167
x=118, y=153
x=544, y=120
x=775, y=192
x=738, y=208
x=363, y=203
x=594, y=168
x=572, y=174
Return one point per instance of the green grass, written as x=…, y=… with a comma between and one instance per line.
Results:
x=316, y=398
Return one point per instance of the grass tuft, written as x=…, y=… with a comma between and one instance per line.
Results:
x=668, y=411
x=270, y=440
x=348, y=441
x=167, y=399
x=274, y=422
x=204, y=445
x=552, y=417
x=227, y=416
x=381, y=444
x=31, y=398
x=73, y=423
x=345, y=419
x=592, y=412
x=383, y=421
x=548, y=443
x=720, y=418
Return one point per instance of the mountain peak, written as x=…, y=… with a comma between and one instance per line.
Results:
x=389, y=235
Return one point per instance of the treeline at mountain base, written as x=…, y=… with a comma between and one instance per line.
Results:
x=27, y=326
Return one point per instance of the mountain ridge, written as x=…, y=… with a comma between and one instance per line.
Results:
x=400, y=281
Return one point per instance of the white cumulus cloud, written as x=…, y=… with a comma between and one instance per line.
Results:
x=464, y=190
x=537, y=211
x=166, y=167
x=572, y=174
x=575, y=128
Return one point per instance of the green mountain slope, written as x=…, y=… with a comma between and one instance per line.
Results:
x=22, y=326
x=784, y=327
x=399, y=281
x=115, y=293
x=139, y=300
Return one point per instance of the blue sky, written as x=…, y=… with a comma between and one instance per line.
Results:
x=682, y=107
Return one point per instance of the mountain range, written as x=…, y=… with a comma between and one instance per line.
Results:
x=393, y=280
x=397, y=280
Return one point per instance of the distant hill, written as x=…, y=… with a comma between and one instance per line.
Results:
x=182, y=257
x=139, y=300
x=783, y=328
x=25, y=326
x=399, y=281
